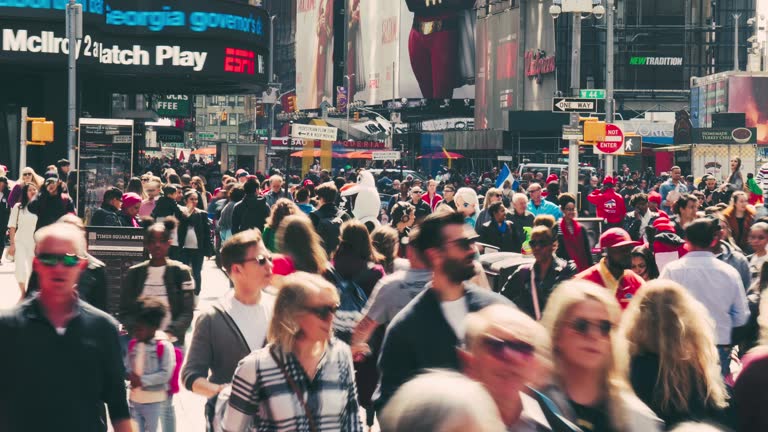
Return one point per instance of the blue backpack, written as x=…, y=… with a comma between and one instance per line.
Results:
x=352, y=300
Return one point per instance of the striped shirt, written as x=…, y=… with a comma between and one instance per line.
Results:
x=262, y=400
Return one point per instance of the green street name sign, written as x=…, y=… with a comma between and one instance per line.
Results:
x=261, y=132
x=205, y=135
x=592, y=94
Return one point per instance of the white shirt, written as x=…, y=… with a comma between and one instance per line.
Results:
x=756, y=265
x=252, y=320
x=191, y=241
x=154, y=287
x=454, y=312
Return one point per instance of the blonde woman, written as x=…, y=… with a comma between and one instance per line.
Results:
x=300, y=247
x=674, y=366
x=493, y=195
x=589, y=386
x=28, y=175
x=303, y=379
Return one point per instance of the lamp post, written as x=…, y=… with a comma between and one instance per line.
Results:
x=610, y=160
x=74, y=27
x=349, y=79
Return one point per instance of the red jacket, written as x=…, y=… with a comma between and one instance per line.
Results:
x=610, y=205
x=435, y=200
x=628, y=284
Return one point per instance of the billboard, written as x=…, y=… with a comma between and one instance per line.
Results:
x=314, y=53
x=191, y=39
x=746, y=94
x=410, y=49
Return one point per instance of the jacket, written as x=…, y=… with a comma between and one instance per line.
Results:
x=106, y=216
x=562, y=251
x=736, y=259
x=627, y=285
x=49, y=208
x=91, y=287
x=330, y=237
x=420, y=337
x=638, y=417
x=217, y=346
x=510, y=240
x=518, y=287
x=199, y=220
x=740, y=236
x=251, y=212
x=167, y=207
x=181, y=296
x=632, y=224
x=610, y=205
x=432, y=203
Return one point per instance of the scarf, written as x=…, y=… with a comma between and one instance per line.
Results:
x=574, y=244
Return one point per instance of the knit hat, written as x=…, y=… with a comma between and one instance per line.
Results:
x=130, y=199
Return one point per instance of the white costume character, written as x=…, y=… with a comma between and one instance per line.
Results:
x=762, y=179
x=365, y=199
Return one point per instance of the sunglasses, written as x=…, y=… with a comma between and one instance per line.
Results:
x=51, y=260
x=322, y=312
x=26, y=174
x=582, y=326
x=145, y=179
x=539, y=243
x=501, y=348
x=261, y=259
x=464, y=243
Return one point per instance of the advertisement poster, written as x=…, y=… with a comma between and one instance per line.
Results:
x=119, y=249
x=747, y=94
x=105, y=160
x=314, y=53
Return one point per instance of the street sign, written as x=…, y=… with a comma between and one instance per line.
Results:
x=577, y=105
x=592, y=94
x=613, y=144
x=205, y=135
x=633, y=144
x=505, y=158
x=572, y=133
x=173, y=106
x=261, y=132
x=313, y=133
x=386, y=155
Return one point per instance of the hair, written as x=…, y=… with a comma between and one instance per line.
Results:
x=468, y=196
x=62, y=231
x=35, y=178
x=495, y=207
x=566, y=198
x=203, y=192
x=444, y=401
x=543, y=230
x=297, y=238
x=735, y=196
x=519, y=197
x=674, y=168
x=251, y=187
x=237, y=193
x=111, y=194
x=567, y=295
x=400, y=211
x=386, y=241
x=293, y=292
x=356, y=241
x=24, y=200
x=169, y=189
x=544, y=220
x=492, y=192
x=702, y=232
x=637, y=199
x=302, y=194
x=165, y=228
x=431, y=231
x=135, y=186
x=697, y=427
x=283, y=207
x=761, y=226
x=235, y=249
x=150, y=311
x=327, y=192
x=738, y=163
x=683, y=202
x=664, y=319
x=533, y=186
x=174, y=178
x=650, y=262
x=275, y=178
x=190, y=193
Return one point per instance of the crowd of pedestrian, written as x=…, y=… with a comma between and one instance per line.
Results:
x=651, y=321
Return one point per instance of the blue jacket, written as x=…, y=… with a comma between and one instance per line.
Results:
x=546, y=208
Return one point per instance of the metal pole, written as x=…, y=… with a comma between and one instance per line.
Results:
x=736, y=41
x=74, y=32
x=573, y=145
x=349, y=100
x=609, y=102
x=270, y=79
x=23, y=140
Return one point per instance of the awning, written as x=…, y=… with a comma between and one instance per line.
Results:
x=209, y=151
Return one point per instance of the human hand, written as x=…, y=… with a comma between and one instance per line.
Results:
x=135, y=380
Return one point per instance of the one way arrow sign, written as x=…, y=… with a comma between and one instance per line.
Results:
x=577, y=105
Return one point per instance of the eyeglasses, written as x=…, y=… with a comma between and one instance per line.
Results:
x=539, y=243
x=51, y=260
x=261, y=259
x=26, y=174
x=582, y=326
x=145, y=179
x=464, y=243
x=322, y=312
x=501, y=348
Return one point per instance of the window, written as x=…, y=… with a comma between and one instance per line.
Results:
x=232, y=121
x=240, y=100
x=232, y=101
x=213, y=119
x=233, y=137
x=199, y=101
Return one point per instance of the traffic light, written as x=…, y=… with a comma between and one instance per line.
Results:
x=260, y=110
x=42, y=131
x=357, y=115
x=292, y=105
x=223, y=118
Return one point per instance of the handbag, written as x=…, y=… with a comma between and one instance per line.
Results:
x=295, y=388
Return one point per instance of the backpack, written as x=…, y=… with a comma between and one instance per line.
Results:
x=174, y=381
x=329, y=230
x=352, y=300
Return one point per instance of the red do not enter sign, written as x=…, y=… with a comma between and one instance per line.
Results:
x=614, y=141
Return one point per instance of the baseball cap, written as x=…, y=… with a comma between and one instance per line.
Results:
x=308, y=182
x=552, y=178
x=616, y=237
x=242, y=174
x=62, y=163
x=663, y=225
x=654, y=197
x=51, y=176
x=609, y=180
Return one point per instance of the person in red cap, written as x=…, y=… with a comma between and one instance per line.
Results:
x=654, y=203
x=610, y=205
x=613, y=271
x=666, y=245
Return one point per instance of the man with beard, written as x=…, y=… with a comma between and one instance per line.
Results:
x=427, y=331
x=613, y=271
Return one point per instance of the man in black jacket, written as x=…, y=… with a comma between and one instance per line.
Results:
x=426, y=333
x=328, y=217
x=252, y=211
x=635, y=222
x=107, y=215
x=500, y=232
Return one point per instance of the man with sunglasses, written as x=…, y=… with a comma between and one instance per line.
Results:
x=63, y=355
x=613, y=271
x=506, y=351
x=427, y=331
x=236, y=324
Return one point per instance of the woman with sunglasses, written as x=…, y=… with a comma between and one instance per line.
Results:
x=195, y=237
x=303, y=379
x=28, y=175
x=573, y=243
x=674, y=365
x=21, y=226
x=530, y=285
x=588, y=385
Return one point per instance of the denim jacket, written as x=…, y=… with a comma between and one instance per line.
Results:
x=157, y=371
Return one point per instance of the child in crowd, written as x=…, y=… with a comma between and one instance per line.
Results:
x=149, y=365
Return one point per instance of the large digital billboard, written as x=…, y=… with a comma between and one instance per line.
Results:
x=314, y=53
x=192, y=39
x=747, y=94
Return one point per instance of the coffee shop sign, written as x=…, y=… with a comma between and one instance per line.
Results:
x=537, y=64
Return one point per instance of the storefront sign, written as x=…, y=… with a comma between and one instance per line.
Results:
x=537, y=64
x=656, y=61
x=119, y=249
x=725, y=135
x=174, y=106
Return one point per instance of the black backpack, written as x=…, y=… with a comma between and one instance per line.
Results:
x=329, y=230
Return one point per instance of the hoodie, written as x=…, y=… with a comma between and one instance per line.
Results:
x=667, y=247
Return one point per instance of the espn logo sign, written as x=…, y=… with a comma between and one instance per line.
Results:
x=239, y=61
